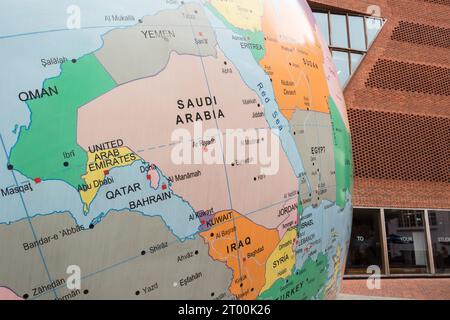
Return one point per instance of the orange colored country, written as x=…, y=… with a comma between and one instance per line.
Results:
x=245, y=247
x=296, y=70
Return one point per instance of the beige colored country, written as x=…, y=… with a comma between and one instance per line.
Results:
x=143, y=114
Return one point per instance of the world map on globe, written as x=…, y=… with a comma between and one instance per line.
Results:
x=171, y=150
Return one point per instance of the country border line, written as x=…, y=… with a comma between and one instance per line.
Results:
x=129, y=259
x=221, y=147
x=32, y=33
x=172, y=144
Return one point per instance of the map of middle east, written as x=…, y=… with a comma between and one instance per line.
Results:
x=94, y=99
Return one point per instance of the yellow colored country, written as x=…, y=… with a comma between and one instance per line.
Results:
x=97, y=170
x=331, y=287
x=242, y=14
x=281, y=261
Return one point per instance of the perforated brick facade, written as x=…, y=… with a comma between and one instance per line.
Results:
x=399, y=105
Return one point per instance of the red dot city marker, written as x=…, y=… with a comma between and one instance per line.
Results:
x=106, y=172
x=164, y=186
x=200, y=34
x=149, y=177
x=37, y=180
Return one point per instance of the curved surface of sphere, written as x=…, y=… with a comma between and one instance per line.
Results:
x=171, y=150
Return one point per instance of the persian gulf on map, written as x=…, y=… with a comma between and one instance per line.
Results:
x=119, y=178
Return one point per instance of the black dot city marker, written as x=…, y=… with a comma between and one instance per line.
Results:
x=143, y=252
x=254, y=179
x=140, y=20
x=66, y=164
x=91, y=226
x=25, y=296
x=86, y=291
x=10, y=166
x=74, y=60
x=212, y=234
x=137, y=293
x=196, y=252
x=241, y=285
x=212, y=294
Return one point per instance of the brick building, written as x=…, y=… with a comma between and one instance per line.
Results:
x=393, y=57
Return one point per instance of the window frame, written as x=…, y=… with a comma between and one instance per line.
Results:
x=385, y=259
x=381, y=241
x=348, y=49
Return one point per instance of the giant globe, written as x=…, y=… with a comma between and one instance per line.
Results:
x=171, y=150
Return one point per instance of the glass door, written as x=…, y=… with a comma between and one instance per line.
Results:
x=406, y=241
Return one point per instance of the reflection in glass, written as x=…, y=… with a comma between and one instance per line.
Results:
x=356, y=59
x=365, y=242
x=373, y=26
x=357, y=36
x=341, y=61
x=406, y=241
x=322, y=22
x=440, y=239
x=339, y=31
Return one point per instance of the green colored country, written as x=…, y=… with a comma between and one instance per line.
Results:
x=53, y=128
x=342, y=155
x=300, y=203
x=304, y=284
x=255, y=39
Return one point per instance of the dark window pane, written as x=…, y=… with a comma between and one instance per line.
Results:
x=373, y=26
x=440, y=239
x=365, y=243
x=322, y=22
x=356, y=59
x=339, y=31
x=406, y=241
x=342, y=66
x=357, y=37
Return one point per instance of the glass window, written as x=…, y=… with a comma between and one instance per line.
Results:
x=406, y=241
x=373, y=26
x=348, y=36
x=440, y=239
x=357, y=36
x=365, y=242
x=356, y=59
x=322, y=22
x=341, y=61
x=339, y=31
